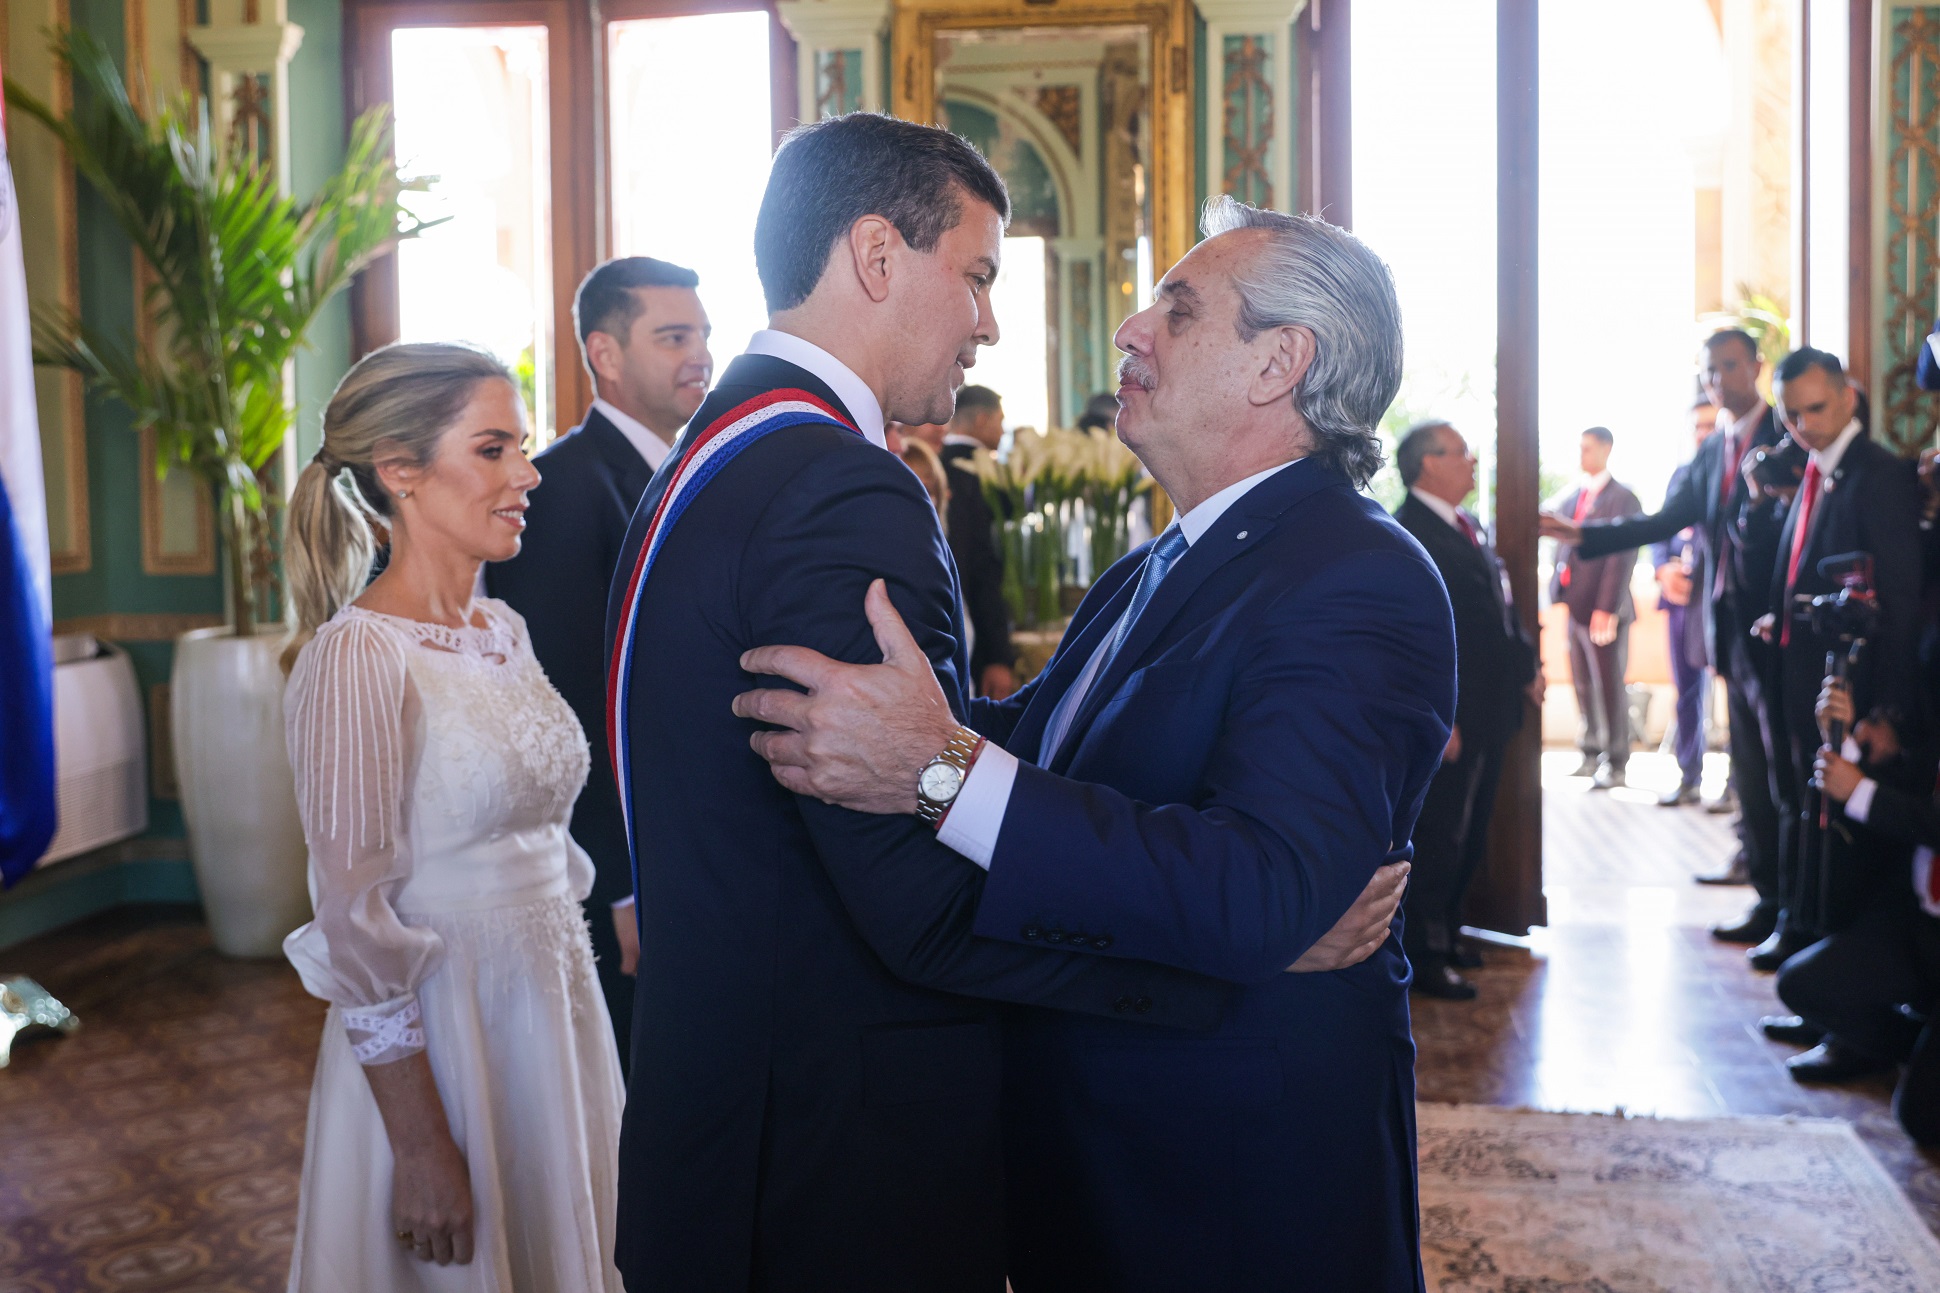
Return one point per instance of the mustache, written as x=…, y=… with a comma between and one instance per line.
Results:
x=1131, y=369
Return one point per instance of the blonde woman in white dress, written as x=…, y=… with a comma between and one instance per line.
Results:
x=464, y=1121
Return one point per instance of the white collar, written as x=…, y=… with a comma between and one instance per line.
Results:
x=638, y=434
x=1828, y=457
x=1594, y=484
x=1439, y=506
x=1202, y=518
x=954, y=438
x=855, y=395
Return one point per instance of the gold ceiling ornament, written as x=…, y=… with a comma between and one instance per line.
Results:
x=916, y=25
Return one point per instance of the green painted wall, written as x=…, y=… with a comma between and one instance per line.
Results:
x=317, y=129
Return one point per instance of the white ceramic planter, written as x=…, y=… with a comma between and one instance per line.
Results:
x=226, y=704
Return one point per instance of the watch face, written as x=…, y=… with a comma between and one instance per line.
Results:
x=939, y=782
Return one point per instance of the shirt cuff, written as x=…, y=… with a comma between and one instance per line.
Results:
x=386, y=1032
x=623, y=903
x=1861, y=803
x=977, y=817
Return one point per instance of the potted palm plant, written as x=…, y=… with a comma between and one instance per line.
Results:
x=238, y=272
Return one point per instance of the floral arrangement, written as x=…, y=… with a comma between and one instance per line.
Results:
x=1063, y=501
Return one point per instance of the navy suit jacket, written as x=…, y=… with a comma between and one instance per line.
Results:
x=811, y=1105
x=1257, y=748
x=576, y=522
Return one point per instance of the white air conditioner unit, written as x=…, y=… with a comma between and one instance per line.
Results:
x=100, y=756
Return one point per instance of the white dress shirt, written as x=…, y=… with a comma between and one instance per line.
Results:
x=854, y=393
x=637, y=433
x=977, y=817
x=1439, y=506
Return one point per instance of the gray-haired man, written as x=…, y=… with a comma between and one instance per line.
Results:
x=1236, y=733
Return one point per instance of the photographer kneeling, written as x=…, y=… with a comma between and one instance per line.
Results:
x=1874, y=986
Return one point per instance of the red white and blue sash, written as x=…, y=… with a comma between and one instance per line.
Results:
x=700, y=461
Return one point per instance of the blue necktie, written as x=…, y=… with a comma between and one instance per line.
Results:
x=1169, y=548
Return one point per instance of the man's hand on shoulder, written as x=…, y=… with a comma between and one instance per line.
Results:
x=862, y=732
x=1360, y=933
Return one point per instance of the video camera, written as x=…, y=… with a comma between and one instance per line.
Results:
x=1779, y=466
x=1850, y=615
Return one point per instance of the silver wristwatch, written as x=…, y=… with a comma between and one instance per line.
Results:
x=942, y=777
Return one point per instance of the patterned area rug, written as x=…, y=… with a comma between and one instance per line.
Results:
x=1521, y=1202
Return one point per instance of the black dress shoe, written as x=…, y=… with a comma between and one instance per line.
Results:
x=1440, y=980
x=1466, y=955
x=1754, y=929
x=1686, y=794
x=1608, y=777
x=1588, y=767
x=1738, y=872
x=1776, y=951
x=1791, y=1029
x=1830, y=1061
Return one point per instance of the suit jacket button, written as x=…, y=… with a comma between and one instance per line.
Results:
x=1124, y=1005
x=1031, y=931
x=1055, y=936
x=1142, y=1005
x=1101, y=942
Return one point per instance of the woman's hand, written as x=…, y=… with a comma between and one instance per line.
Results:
x=431, y=1188
x=431, y=1200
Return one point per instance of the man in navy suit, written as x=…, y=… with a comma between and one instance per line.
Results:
x=1235, y=734
x=643, y=335
x=814, y=1103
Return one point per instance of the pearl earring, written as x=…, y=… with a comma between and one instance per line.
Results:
x=404, y=493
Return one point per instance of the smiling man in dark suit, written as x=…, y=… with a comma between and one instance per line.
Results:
x=643, y=335
x=1235, y=734
x=1498, y=675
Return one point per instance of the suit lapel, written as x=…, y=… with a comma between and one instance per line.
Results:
x=629, y=469
x=1088, y=627
x=1254, y=516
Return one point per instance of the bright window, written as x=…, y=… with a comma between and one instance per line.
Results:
x=1014, y=367
x=692, y=139
x=472, y=117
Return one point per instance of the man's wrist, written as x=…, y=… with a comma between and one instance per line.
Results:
x=940, y=780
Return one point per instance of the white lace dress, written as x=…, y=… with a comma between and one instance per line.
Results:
x=436, y=770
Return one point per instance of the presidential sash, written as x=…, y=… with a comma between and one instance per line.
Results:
x=703, y=458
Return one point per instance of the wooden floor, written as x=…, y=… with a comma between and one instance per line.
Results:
x=158, y=1148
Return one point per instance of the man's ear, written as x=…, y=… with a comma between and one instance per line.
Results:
x=1289, y=354
x=603, y=356
x=872, y=242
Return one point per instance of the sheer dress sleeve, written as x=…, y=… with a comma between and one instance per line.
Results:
x=349, y=712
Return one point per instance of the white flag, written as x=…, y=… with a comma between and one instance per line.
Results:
x=19, y=421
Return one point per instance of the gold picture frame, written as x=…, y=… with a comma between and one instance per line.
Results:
x=1168, y=24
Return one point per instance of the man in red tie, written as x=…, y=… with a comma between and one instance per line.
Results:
x=1857, y=497
x=1497, y=674
x=1597, y=592
x=1873, y=988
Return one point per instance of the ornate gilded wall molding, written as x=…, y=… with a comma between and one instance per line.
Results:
x=44, y=181
x=1908, y=263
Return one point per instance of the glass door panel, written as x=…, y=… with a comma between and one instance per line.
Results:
x=1424, y=199
x=473, y=119
x=692, y=138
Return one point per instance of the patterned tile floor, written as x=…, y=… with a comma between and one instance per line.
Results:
x=158, y=1148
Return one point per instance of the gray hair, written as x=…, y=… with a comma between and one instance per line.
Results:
x=1318, y=276
x=1416, y=446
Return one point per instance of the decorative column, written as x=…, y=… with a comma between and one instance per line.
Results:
x=1249, y=93
x=1078, y=315
x=839, y=53
x=248, y=47
x=1907, y=198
